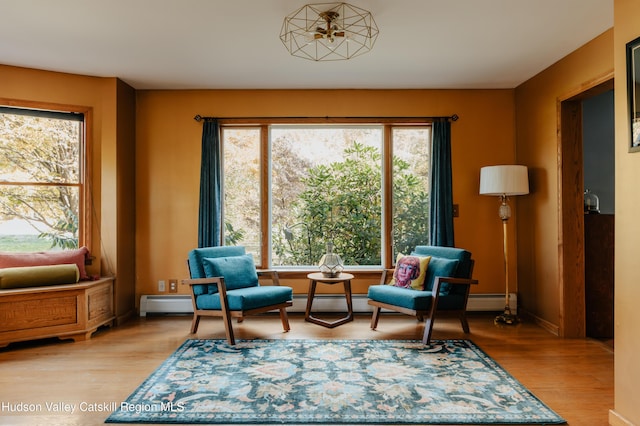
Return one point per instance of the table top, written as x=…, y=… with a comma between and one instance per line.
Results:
x=318, y=276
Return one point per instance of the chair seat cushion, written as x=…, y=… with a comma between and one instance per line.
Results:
x=243, y=299
x=416, y=300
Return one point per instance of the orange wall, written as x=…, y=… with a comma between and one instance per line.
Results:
x=537, y=147
x=107, y=99
x=627, y=273
x=168, y=162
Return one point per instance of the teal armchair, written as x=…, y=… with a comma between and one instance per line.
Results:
x=225, y=283
x=446, y=290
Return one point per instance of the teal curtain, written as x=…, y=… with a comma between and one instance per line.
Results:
x=441, y=193
x=210, y=214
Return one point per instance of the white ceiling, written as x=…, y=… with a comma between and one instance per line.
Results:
x=233, y=44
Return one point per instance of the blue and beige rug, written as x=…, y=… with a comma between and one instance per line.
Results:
x=332, y=381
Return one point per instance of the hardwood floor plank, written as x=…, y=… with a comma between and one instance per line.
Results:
x=572, y=376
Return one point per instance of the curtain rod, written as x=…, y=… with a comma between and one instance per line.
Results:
x=453, y=117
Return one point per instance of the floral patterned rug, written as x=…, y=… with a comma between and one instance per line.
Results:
x=332, y=381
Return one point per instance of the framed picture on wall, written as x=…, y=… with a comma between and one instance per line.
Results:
x=633, y=91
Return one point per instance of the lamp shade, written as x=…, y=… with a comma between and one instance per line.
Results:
x=504, y=180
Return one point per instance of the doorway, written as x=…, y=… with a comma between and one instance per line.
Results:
x=599, y=219
x=571, y=242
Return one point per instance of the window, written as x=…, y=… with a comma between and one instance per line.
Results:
x=41, y=179
x=241, y=148
x=410, y=174
x=326, y=183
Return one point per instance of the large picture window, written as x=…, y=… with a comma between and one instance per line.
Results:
x=291, y=189
x=41, y=179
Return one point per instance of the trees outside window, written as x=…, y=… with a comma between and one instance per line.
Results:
x=242, y=213
x=327, y=184
x=41, y=179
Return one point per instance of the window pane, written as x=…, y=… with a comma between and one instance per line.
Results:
x=326, y=186
x=411, y=164
x=40, y=179
x=39, y=149
x=36, y=218
x=242, y=188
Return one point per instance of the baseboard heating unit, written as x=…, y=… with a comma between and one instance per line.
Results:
x=181, y=304
x=165, y=304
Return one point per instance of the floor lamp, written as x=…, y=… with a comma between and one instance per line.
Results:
x=504, y=181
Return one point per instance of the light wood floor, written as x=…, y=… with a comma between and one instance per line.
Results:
x=572, y=376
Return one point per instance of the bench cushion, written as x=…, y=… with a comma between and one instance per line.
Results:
x=41, y=258
x=36, y=276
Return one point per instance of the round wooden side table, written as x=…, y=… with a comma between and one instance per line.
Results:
x=318, y=277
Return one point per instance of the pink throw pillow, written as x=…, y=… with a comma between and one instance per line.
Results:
x=41, y=258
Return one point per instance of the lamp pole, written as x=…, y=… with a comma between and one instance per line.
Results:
x=505, y=213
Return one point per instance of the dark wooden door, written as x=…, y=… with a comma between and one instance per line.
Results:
x=598, y=265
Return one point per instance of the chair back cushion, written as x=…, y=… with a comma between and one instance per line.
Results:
x=197, y=256
x=237, y=271
x=196, y=264
x=440, y=267
x=446, y=262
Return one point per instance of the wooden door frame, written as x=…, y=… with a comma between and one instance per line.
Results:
x=572, y=322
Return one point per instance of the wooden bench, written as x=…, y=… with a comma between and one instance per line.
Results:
x=70, y=311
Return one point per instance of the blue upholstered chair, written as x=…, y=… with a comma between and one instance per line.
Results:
x=446, y=289
x=224, y=283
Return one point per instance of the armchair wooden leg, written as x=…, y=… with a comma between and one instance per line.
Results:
x=428, y=328
x=228, y=329
x=374, y=317
x=464, y=322
x=285, y=319
x=194, y=323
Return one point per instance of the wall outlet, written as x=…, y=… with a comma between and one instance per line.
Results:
x=173, y=286
x=161, y=286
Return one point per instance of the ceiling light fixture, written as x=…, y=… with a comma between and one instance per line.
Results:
x=329, y=32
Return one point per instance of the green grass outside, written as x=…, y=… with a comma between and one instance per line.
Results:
x=23, y=243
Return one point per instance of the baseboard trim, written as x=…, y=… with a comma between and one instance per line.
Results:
x=181, y=304
x=550, y=327
x=615, y=419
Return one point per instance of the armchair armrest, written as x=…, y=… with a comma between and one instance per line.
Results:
x=451, y=280
x=270, y=273
x=385, y=274
x=217, y=281
x=201, y=281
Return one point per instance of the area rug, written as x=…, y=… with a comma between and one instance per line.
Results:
x=332, y=382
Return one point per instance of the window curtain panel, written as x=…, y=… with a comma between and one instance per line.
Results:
x=441, y=193
x=210, y=214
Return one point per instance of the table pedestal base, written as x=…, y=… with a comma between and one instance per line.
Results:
x=314, y=279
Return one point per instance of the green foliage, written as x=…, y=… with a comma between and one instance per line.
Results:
x=341, y=202
x=410, y=209
x=232, y=236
